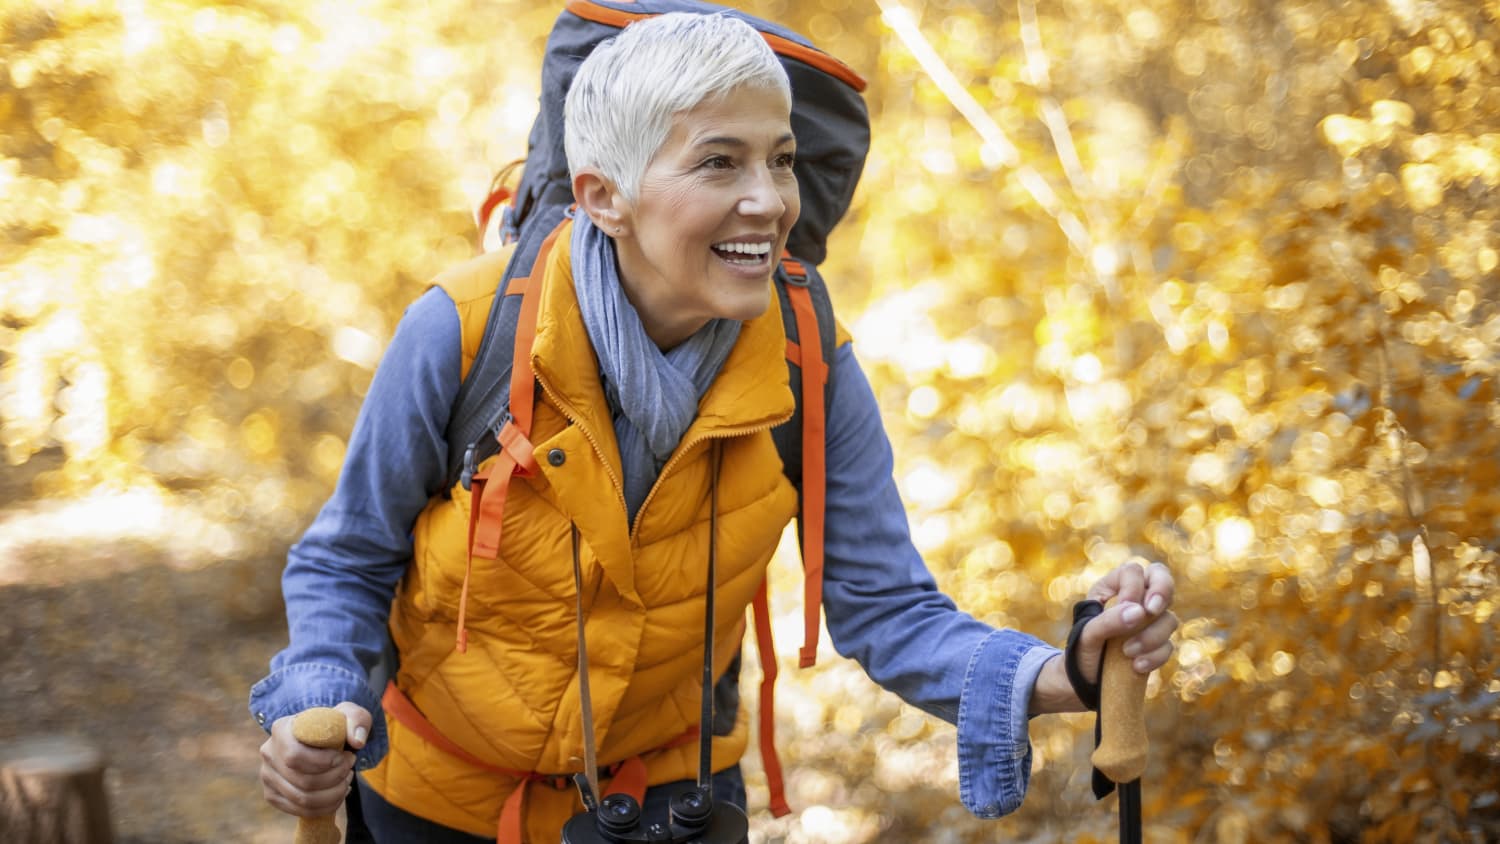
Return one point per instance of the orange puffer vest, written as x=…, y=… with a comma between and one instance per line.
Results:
x=512, y=699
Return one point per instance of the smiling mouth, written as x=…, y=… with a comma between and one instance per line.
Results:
x=743, y=254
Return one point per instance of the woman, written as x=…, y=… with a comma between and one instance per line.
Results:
x=659, y=357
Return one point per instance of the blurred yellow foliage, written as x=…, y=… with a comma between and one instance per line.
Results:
x=1212, y=283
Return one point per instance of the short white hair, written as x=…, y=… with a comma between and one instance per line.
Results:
x=620, y=107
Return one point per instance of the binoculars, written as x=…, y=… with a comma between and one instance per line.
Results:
x=692, y=817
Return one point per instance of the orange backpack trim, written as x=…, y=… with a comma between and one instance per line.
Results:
x=791, y=49
x=500, y=192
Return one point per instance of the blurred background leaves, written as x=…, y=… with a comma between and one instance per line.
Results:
x=1211, y=282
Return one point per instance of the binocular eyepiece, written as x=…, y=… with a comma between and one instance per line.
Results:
x=693, y=818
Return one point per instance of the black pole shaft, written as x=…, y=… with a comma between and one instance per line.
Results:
x=1130, y=812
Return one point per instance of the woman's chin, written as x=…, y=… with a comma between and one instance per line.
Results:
x=747, y=307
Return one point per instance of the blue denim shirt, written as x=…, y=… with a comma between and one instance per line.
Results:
x=881, y=605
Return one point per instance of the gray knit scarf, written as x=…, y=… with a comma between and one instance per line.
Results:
x=652, y=396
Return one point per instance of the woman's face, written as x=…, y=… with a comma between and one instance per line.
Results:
x=712, y=215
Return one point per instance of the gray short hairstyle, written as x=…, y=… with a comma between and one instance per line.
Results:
x=620, y=107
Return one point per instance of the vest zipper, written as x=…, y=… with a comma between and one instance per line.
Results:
x=677, y=457
x=572, y=417
x=619, y=486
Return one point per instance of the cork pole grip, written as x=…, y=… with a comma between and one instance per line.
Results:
x=1121, y=754
x=325, y=728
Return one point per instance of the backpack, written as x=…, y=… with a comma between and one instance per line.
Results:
x=491, y=412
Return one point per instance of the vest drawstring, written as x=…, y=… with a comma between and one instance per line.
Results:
x=476, y=491
x=585, y=700
x=462, y=644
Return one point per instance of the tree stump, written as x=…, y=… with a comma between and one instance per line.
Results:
x=52, y=792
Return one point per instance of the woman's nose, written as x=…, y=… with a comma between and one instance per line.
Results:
x=762, y=197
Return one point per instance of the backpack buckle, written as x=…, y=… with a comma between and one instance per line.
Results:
x=795, y=273
x=467, y=476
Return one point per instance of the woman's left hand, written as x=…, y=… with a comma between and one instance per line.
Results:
x=1138, y=609
x=1137, y=604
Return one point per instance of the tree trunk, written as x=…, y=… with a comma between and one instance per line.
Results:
x=52, y=792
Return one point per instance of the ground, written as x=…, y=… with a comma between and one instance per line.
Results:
x=149, y=656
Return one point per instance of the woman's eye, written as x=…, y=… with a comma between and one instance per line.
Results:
x=717, y=162
x=786, y=160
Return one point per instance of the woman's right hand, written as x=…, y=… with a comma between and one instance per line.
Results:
x=306, y=781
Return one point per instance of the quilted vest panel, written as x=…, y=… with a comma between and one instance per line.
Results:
x=512, y=700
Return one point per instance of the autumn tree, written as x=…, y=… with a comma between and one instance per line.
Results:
x=1208, y=282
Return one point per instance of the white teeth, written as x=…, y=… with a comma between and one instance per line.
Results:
x=744, y=248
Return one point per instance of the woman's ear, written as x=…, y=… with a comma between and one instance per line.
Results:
x=599, y=199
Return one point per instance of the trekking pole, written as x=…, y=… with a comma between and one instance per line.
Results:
x=325, y=728
x=1121, y=754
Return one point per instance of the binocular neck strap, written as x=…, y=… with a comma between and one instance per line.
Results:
x=590, y=757
x=706, y=723
x=706, y=719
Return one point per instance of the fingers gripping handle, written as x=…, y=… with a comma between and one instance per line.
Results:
x=1121, y=754
x=325, y=728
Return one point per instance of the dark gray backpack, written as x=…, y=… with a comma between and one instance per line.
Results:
x=832, y=129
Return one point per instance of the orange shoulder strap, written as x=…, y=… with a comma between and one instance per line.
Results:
x=809, y=356
x=487, y=500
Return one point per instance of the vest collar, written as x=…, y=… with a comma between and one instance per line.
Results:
x=750, y=393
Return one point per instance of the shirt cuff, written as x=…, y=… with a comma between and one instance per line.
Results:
x=994, y=747
x=303, y=685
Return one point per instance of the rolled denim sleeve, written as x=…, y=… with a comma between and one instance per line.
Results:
x=994, y=747
x=342, y=574
x=884, y=610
